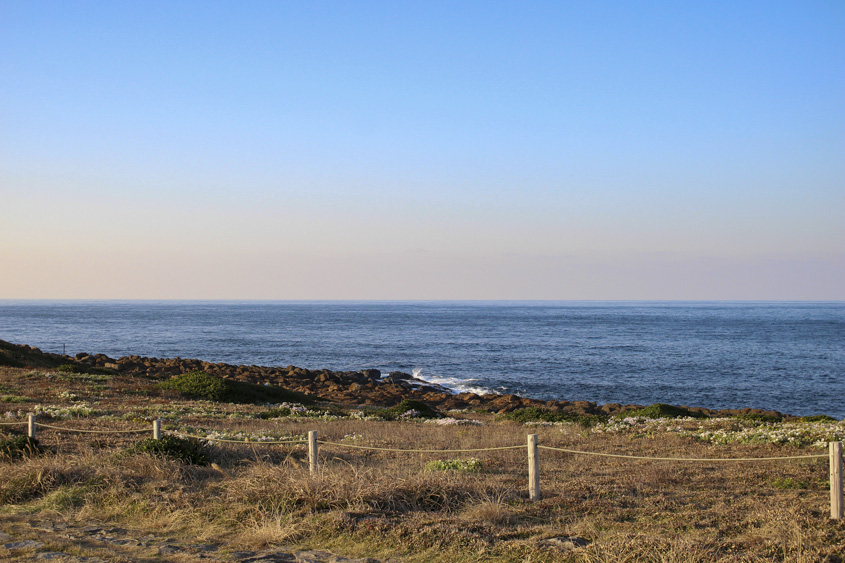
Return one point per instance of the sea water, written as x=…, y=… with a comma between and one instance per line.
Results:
x=787, y=356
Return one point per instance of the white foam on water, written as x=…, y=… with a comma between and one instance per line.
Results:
x=459, y=385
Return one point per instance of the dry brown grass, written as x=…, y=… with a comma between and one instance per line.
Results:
x=380, y=504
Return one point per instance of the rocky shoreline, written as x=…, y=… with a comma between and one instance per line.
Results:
x=364, y=387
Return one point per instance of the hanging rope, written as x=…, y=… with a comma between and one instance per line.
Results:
x=700, y=459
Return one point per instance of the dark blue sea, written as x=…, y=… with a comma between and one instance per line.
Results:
x=788, y=356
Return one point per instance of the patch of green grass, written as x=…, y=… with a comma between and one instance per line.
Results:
x=186, y=450
x=14, y=399
x=202, y=385
x=660, y=410
x=465, y=465
x=537, y=414
x=81, y=372
x=789, y=483
x=65, y=497
x=17, y=447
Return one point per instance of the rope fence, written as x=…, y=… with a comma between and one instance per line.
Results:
x=85, y=431
x=837, y=500
x=378, y=449
x=696, y=459
x=250, y=442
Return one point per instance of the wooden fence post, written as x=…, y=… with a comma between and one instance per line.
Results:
x=30, y=426
x=533, y=468
x=157, y=429
x=312, y=451
x=836, y=501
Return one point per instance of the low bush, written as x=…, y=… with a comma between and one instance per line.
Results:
x=19, y=446
x=408, y=408
x=242, y=392
x=202, y=385
x=198, y=385
x=661, y=410
x=186, y=450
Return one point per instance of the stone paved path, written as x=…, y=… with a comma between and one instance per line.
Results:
x=43, y=540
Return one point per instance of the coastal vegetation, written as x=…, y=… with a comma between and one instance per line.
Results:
x=202, y=385
x=384, y=503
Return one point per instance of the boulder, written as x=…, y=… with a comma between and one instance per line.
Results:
x=371, y=373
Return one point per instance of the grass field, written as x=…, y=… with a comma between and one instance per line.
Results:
x=421, y=506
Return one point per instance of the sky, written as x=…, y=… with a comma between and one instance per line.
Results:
x=422, y=150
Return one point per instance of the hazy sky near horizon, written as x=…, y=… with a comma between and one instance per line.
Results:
x=422, y=150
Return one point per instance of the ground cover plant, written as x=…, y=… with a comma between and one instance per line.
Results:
x=202, y=385
x=419, y=507
x=408, y=408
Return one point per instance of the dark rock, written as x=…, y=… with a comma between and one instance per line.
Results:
x=399, y=375
x=24, y=544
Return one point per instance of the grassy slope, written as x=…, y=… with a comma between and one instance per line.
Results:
x=19, y=356
x=387, y=505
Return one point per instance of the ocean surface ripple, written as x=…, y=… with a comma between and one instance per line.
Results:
x=787, y=356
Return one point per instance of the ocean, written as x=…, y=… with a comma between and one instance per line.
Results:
x=786, y=356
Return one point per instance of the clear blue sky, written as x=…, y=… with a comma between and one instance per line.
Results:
x=422, y=150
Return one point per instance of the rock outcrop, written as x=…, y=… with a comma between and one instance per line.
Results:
x=364, y=387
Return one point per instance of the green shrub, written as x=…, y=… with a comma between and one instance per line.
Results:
x=754, y=417
x=537, y=414
x=466, y=465
x=202, y=385
x=242, y=392
x=186, y=450
x=420, y=409
x=197, y=384
x=660, y=410
x=19, y=446
x=71, y=368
